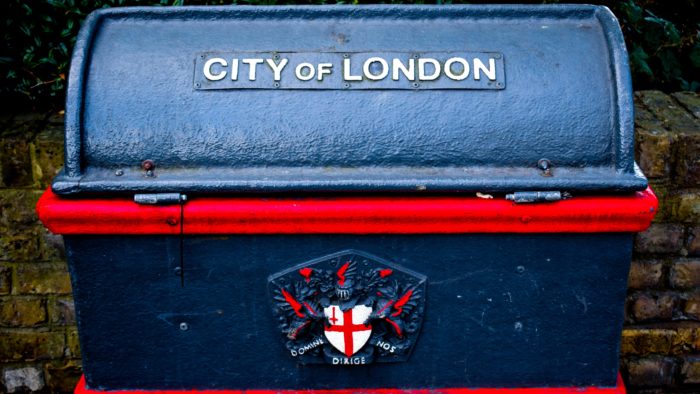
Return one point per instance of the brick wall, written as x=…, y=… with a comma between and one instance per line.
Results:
x=38, y=338
x=661, y=340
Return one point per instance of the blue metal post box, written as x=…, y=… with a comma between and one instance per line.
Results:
x=349, y=198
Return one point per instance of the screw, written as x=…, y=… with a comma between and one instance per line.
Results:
x=416, y=56
x=276, y=84
x=345, y=55
x=197, y=85
x=518, y=326
x=346, y=85
x=415, y=85
x=184, y=326
x=276, y=57
x=119, y=172
x=520, y=269
x=499, y=84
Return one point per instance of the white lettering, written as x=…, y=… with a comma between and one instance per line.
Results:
x=234, y=69
x=381, y=74
x=253, y=66
x=479, y=66
x=277, y=68
x=323, y=69
x=450, y=73
x=294, y=352
x=346, y=72
x=422, y=70
x=408, y=71
x=349, y=360
x=386, y=346
x=309, y=73
x=207, y=69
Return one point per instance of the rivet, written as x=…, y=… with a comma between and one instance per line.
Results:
x=520, y=269
x=184, y=326
x=496, y=55
x=347, y=85
x=119, y=172
x=276, y=84
x=171, y=221
x=197, y=85
x=345, y=55
x=177, y=271
x=546, y=167
x=415, y=85
x=518, y=326
x=148, y=165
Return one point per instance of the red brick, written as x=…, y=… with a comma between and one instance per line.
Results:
x=648, y=307
x=652, y=371
x=645, y=275
x=692, y=307
x=693, y=245
x=685, y=274
x=660, y=238
x=691, y=370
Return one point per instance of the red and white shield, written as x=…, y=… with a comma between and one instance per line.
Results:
x=347, y=331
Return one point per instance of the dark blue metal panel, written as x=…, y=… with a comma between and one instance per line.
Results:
x=566, y=97
x=500, y=310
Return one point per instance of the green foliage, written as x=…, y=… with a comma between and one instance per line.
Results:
x=38, y=35
x=663, y=53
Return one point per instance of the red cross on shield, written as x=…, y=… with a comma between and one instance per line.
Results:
x=347, y=331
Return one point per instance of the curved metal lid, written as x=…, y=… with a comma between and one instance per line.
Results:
x=367, y=99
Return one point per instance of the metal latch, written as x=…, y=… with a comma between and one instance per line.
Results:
x=160, y=198
x=532, y=197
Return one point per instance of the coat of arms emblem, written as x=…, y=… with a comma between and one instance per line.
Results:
x=348, y=308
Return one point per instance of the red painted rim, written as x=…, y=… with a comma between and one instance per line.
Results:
x=348, y=215
x=619, y=389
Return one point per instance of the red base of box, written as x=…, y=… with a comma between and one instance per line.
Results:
x=619, y=389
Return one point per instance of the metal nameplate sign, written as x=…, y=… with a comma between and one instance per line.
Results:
x=349, y=70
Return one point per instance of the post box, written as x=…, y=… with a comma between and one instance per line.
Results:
x=349, y=198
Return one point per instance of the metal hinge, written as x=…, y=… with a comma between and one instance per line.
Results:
x=533, y=197
x=160, y=198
